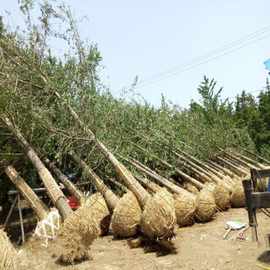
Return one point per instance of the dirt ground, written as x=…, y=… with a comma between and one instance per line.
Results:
x=199, y=247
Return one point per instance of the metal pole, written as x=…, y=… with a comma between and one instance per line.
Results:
x=10, y=212
x=21, y=218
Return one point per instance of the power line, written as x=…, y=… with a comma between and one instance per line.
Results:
x=228, y=48
x=190, y=66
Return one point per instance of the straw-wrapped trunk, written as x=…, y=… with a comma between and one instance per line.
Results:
x=203, y=165
x=119, y=167
x=96, y=201
x=221, y=169
x=250, y=160
x=36, y=204
x=266, y=161
x=204, y=178
x=47, y=225
x=193, y=181
x=239, y=161
x=73, y=190
x=229, y=165
x=248, y=164
x=160, y=179
x=109, y=196
x=158, y=217
x=204, y=171
x=56, y=195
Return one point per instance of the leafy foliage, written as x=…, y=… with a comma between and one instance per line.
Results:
x=30, y=72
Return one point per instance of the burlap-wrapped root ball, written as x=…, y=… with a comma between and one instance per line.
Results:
x=126, y=216
x=238, y=195
x=158, y=218
x=191, y=188
x=8, y=253
x=205, y=205
x=80, y=229
x=102, y=213
x=185, y=208
x=222, y=196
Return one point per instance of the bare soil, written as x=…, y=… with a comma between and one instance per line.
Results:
x=199, y=247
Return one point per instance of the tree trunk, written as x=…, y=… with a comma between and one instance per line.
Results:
x=203, y=165
x=216, y=167
x=237, y=164
x=196, y=183
x=109, y=196
x=232, y=167
x=240, y=161
x=73, y=190
x=160, y=179
x=38, y=206
x=120, y=169
x=257, y=156
x=118, y=184
x=251, y=161
x=150, y=186
x=226, y=171
x=203, y=176
x=56, y=195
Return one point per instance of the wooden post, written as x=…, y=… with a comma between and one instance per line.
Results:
x=251, y=211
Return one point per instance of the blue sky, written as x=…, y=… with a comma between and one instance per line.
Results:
x=146, y=38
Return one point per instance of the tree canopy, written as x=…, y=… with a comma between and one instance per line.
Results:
x=30, y=72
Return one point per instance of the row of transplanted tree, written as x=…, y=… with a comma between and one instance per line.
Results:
x=29, y=72
x=176, y=166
